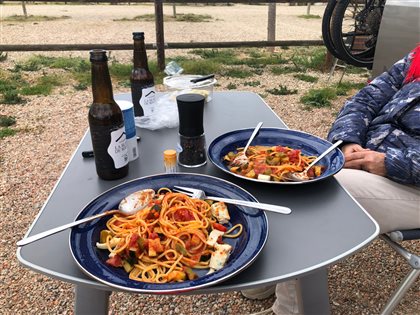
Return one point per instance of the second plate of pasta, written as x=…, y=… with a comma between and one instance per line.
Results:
x=273, y=153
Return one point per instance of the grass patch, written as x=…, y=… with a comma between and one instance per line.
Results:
x=37, y=62
x=279, y=70
x=201, y=67
x=191, y=17
x=227, y=56
x=34, y=18
x=306, y=77
x=231, y=86
x=313, y=59
x=182, y=17
x=6, y=132
x=309, y=16
x=237, y=73
x=252, y=83
x=281, y=90
x=43, y=86
x=344, y=87
x=248, y=57
x=7, y=121
x=12, y=97
x=319, y=97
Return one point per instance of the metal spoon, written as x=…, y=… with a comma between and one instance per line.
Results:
x=303, y=176
x=241, y=158
x=127, y=207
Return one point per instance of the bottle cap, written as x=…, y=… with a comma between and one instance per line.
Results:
x=169, y=158
x=98, y=55
x=138, y=35
x=169, y=154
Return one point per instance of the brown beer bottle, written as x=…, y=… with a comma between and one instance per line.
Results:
x=106, y=122
x=143, y=91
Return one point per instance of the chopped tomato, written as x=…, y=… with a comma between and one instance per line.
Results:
x=115, y=261
x=260, y=168
x=152, y=215
x=279, y=148
x=219, y=227
x=293, y=156
x=220, y=239
x=153, y=235
x=183, y=215
x=133, y=241
x=118, y=223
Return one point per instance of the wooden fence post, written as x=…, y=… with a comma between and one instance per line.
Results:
x=160, y=38
x=271, y=29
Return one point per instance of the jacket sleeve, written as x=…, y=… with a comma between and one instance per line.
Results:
x=403, y=165
x=356, y=115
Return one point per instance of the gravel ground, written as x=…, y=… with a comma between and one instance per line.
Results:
x=50, y=128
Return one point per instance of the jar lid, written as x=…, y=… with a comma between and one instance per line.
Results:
x=190, y=110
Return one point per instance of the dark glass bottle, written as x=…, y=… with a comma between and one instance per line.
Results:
x=106, y=122
x=143, y=91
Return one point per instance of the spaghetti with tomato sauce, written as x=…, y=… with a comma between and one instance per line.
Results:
x=272, y=163
x=168, y=238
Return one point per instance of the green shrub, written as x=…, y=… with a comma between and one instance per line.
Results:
x=5, y=132
x=319, y=97
x=7, y=121
x=12, y=97
x=306, y=77
x=281, y=90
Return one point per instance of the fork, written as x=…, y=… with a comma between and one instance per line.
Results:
x=199, y=194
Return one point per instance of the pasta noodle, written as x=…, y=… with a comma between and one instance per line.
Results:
x=272, y=163
x=165, y=240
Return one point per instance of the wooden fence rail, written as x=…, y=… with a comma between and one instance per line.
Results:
x=80, y=47
x=160, y=44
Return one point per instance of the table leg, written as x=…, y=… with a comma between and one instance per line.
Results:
x=89, y=301
x=313, y=293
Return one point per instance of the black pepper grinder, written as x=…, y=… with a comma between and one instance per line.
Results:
x=191, y=132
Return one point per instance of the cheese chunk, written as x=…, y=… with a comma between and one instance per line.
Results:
x=112, y=243
x=220, y=256
x=214, y=235
x=220, y=211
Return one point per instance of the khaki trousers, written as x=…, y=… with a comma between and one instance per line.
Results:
x=394, y=206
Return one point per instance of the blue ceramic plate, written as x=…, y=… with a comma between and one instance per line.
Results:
x=307, y=143
x=245, y=248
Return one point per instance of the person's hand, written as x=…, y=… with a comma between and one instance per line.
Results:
x=351, y=147
x=367, y=160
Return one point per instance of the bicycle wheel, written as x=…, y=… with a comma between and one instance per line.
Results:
x=354, y=29
x=326, y=26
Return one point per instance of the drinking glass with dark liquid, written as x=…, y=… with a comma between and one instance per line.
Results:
x=143, y=91
x=106, y=122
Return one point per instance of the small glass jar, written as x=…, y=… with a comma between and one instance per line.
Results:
x=169, y=161
x=192, y=151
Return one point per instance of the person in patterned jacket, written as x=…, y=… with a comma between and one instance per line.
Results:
x=380, y=127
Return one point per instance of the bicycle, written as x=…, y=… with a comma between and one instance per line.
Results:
x=353, y=29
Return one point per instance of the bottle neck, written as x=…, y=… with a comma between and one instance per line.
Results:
x=101, y=83
x=140, y=55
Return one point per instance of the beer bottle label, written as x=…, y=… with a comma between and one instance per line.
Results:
x=117, y=148
x=148, y=100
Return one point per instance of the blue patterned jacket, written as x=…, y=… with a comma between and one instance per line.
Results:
x=385, y=116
